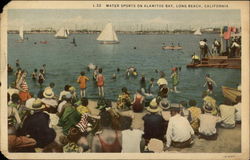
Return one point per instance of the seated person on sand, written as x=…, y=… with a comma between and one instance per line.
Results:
x=124, y=101
x=153, y=123
x=19, y=143
x=195, y=113
x=64, y=92
x=83, y=108
x=69, y=116
x=148, y=96
x=48, y=99
x=132, y=141
x=179, y=133
x=37, y=127
x=109, y=140
x=212, y=101
x=227, y=114
x=73, y=139
x=165, y=112
x=138, y=102
x=207, y=128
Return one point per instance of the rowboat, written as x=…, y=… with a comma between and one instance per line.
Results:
x=230, y=93
x=171, y=47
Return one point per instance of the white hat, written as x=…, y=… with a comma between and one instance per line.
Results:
x=153, y=107
x=37, y=105
x=155, y=145
x=48, y=93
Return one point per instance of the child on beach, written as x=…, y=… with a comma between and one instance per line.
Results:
x=100, y=82
x=82, y=80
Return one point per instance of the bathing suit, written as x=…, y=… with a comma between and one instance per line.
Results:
x=115, y=147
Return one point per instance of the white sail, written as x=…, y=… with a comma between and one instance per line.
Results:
x=21, y=33
x=108, y=34
x=62, y=33
x=197, y=32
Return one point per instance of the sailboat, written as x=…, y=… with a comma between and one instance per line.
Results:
x=197, y=32
x=108, y=35
x=62, y=34
x=21, y=35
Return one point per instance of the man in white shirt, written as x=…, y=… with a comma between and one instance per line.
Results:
x=207, y=129
x=64, y=92
x=227, y=113
x=132, y=141
x=179, y=132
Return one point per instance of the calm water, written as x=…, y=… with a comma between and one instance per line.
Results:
x=64, y=62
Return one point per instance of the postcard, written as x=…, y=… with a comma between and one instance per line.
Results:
x=125, y=80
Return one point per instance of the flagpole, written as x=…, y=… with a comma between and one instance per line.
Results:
x=221, y=40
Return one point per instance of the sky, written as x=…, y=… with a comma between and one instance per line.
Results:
x=121, y=19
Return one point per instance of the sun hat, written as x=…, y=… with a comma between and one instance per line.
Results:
x=155, y=145
x=153, y=107
x=48, y=93
x=207, y=107
x=164, y=104
x=37, y=105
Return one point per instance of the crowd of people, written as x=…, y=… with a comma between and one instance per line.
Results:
x=144, y=122
x=233, y=49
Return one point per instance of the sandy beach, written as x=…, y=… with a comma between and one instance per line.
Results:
x=228, y=141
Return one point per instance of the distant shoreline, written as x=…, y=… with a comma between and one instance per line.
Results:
x=119, y=32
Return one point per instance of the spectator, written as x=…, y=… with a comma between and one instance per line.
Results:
x=180, y=132
x=153, y=123
x=207, y=129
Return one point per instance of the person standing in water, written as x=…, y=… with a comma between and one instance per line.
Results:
x=43, y=69
x=209, y=83
x=41, y=77
x=34, y=74
x=17, y=63
x=100, y=82
x=82, y=80
x=175, y=79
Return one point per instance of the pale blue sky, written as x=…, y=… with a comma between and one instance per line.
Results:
x=122, y=19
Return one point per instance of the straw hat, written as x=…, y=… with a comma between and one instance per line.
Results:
x=207, y=107
x=37, y=105
x=48, y=93
x=155, y=145
x=164, y=104
x=153, y=107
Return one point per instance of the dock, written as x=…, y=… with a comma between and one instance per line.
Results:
x=218, y=62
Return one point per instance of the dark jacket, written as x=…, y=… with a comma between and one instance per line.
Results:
x=153, y=126
x=37, y=126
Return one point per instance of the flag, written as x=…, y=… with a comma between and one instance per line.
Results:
x=227, y=34
x=233, y=29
